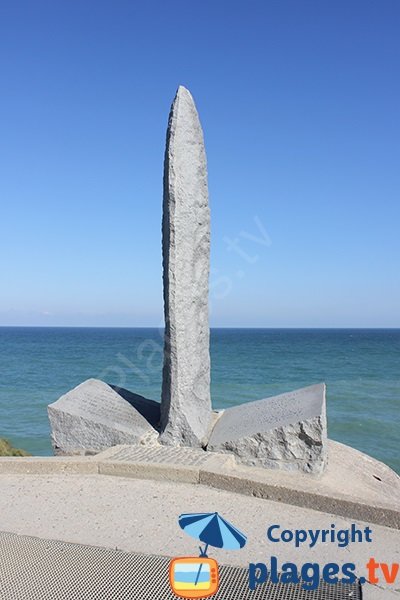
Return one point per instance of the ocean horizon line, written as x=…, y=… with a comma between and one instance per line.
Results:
x=236, y=327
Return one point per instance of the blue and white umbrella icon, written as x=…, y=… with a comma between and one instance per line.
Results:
x=212, y=530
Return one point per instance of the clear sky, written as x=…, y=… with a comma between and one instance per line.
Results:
x=299, y=101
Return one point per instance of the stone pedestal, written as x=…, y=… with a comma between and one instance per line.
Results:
x=94, y=416
x=283, y=432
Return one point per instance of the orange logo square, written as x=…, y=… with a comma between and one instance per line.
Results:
x=193, y=577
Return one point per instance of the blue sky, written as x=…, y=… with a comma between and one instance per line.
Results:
x=299, y=102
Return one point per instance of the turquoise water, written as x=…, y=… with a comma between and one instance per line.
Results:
x=361, y=369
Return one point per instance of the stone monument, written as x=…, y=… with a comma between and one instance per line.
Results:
x=185, y=398
x=287, y=432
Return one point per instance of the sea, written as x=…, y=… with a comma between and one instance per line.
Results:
x=361, y=368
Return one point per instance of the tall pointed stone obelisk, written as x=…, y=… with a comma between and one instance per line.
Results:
x=185, y=398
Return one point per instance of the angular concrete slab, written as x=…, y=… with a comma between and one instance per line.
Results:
x=285, y=432
x=94, y=416
x=185, y=400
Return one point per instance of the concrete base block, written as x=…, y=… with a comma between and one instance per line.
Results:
x=285, y=432
x=94, y=416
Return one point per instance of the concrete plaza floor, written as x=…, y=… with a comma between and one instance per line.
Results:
x=141, y=515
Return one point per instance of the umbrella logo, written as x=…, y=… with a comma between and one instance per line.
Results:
x=198, y=577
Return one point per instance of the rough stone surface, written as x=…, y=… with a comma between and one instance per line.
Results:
x=286, y=432
x=94, y=416
x=185, y=403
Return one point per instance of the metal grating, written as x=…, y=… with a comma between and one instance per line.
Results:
x=36, y=569
x=157, y=454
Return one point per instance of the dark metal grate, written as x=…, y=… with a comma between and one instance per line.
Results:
x=36, y=569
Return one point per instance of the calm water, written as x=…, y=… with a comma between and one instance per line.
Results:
x=360, y=367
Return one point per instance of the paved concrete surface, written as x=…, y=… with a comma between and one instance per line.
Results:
x=141, y=515
x=75, y=499
x=354, y=484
